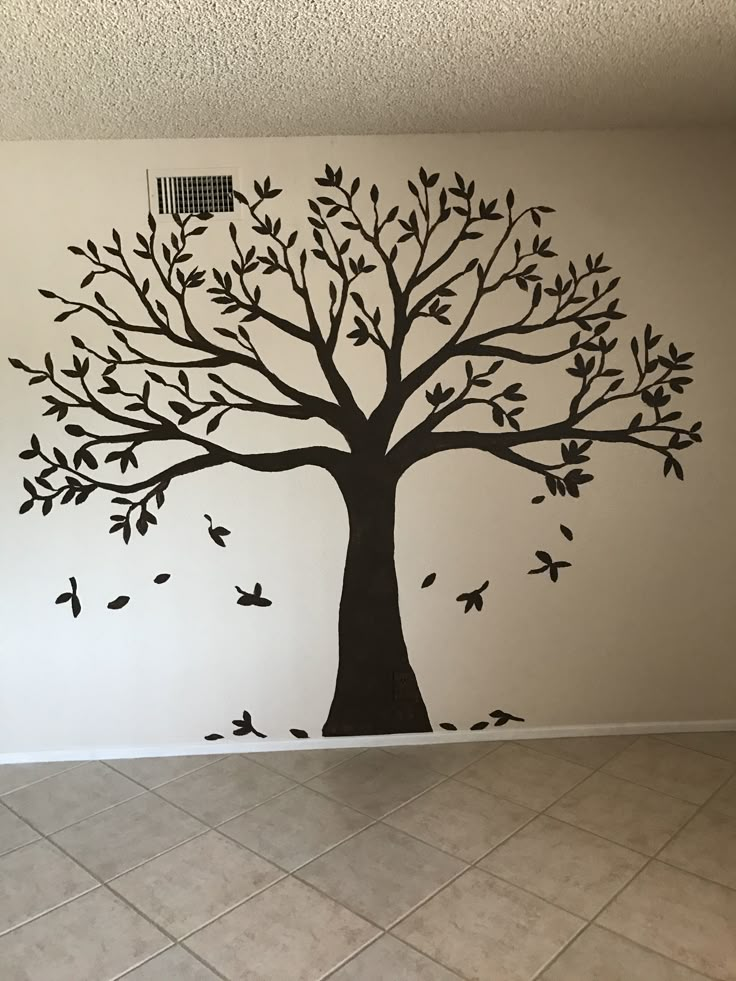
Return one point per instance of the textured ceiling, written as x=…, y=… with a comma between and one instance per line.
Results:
x=76, y=69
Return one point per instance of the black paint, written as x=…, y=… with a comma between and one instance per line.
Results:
x=474, y=599
x=428, y=580
x=502, y=717
x=256, y=598
x=549, y=566
x=566, y=532
x=299, y=733
x=419, y=254
x=213, y=736
x=162, y=577
x=244, y=727
x=118, y=603
x=217, y=533
x=71, y=597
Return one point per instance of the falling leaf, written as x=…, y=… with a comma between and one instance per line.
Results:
x=448, y=725
x=566, y=532
x=479, y=725
x=502, y=717
x=162, y=577
x=217, y=533
x=299, y=733
x=252, y=599
x=473, y=599
x=213, y=736
x=549, y=565
x=71, y=598
x=428, y=580
x=244, y=727
x=118, y=603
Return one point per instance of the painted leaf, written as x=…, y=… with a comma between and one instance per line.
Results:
x=162, y=577
x=479, y=725
x=449, y=726
x=256, y=598
x=118, y=603
x=428, y=580
x=299, y=733
x=63, y=598
x=538, y=499
x=217, y=533
x=502, y=717
x=213, y=736
x=76, y=606
x=566, y=532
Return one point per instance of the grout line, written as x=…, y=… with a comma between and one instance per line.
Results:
x=356, y=953
x=196, y=769
x=667, y=737
x=443, y=778
x=651, y=858
x=49, y=909
x=236, y=905
x=648, y=950
x=186, y=950
x=31, y=783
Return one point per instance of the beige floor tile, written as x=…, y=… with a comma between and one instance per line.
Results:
x=13, y=776
x=94, y=938
x=446, y=758
x=484, y=928
x=223, y=790
x=303, y=764
x=623, y=812
x=127, y=835
x=60, y=800
x=721, y=744
x=375, y=782
x=13, y=831
x=389, y=960
x=523, y=775
x=190, y=885
x=295, y=827
x=706, y=846
x=37, y=878
x=725, y=800
x=570, y=867
x=592, y=751
x=290, y=931
x=681, y=916
x=460, y=819
x=157, y=770
x=670, y=769
x=381, y=873
x=175, y=964
x=598, y=955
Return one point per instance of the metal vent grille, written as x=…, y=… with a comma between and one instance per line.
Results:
x=182, y=195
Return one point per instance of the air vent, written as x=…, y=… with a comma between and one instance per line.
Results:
x=190, y=192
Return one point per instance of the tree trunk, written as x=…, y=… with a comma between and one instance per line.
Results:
x=376, y=689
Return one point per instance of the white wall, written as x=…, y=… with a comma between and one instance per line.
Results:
x=640, y=629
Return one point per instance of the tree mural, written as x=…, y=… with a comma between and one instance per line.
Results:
x=437, y=263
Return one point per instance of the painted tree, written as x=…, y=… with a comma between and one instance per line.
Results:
x=437, y=263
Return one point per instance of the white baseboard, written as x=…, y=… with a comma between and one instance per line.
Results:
x=255, y=745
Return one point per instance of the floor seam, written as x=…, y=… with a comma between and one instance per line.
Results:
x=644, y=867
x=373, y=821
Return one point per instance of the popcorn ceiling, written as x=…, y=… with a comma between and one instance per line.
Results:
x=75, y=69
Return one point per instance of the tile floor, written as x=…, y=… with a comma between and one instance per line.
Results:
x=599, y=859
